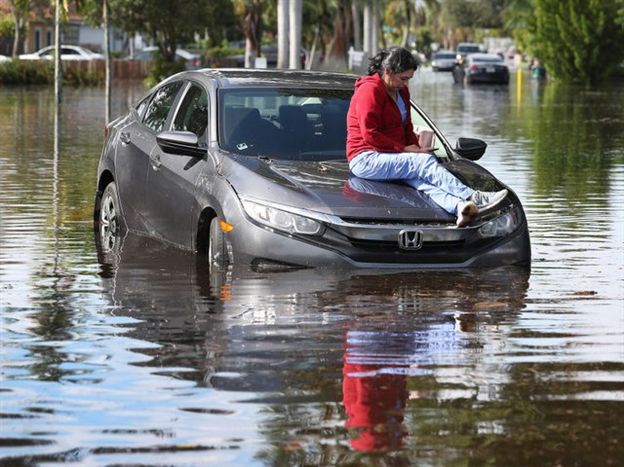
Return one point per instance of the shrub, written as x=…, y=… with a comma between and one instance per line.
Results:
x=26, y=72
x=161, y=69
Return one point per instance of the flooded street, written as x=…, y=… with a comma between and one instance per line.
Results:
x=143, y=358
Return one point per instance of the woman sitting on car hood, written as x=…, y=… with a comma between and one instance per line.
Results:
x=382, y=145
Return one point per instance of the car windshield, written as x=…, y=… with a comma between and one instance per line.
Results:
x=288, y=124
x=445, y=55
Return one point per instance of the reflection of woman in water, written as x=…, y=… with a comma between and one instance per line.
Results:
x=382, y=145
x=375, y=369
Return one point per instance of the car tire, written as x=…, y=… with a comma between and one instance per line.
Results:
x=218, y=257
x=110, y=223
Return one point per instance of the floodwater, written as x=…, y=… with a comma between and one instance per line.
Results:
x=142, y=358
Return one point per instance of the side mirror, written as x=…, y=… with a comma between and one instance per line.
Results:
x=180, y=142
x=470, y=148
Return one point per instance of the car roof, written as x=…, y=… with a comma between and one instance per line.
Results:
x=250, y=77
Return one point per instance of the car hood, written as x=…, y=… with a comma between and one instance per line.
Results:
x=329, y=188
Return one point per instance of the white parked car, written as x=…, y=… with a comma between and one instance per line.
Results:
x=68, y=52
x=444, y=60
x=4, y=58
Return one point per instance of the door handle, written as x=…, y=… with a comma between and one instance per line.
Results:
x=155, y=161
x=125, y=137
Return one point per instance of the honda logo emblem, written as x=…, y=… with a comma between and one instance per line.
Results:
x=410, y=239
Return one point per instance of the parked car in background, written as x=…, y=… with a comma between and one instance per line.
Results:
x=444, y=60
x=482, y=68
x=190, y=59
x=248, y=167
x=270, y=53
x=4, y=58
x=466, y=48
x=68, y=52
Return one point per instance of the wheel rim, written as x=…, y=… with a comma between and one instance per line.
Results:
x=108, y=223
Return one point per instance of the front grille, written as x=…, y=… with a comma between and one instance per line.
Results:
x=378, y=246
x=397, y=222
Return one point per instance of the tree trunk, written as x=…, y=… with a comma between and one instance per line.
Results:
x=58, y=70
x=367, y=27
x=337, y=50
x=408, y=23
x=375, y=28
x=283, y=27
x=357, y=25
x=252, y=27
x=107, y=63
x=296, y=14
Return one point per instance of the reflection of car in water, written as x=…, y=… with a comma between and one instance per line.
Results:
x=249, y=167
x=369, y=340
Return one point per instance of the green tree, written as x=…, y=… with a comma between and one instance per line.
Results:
x=167, y=22
x=577, y=40
x=19, y=10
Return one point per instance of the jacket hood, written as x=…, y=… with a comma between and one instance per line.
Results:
x=328, y=187
x=373, y=79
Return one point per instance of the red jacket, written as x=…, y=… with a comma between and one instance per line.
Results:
x=374, y=120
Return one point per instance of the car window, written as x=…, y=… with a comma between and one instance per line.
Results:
x=69, y=52
x=419, y=123
x=290, y=124
x=193, y=113
x=141, y=106
x=487, y=60
x=159, y=107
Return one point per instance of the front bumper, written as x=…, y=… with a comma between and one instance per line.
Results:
x=351, y=245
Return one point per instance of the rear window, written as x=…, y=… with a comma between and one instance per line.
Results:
x=468, y=48
x=289, y=124
x=444, y=55
x=487, y=60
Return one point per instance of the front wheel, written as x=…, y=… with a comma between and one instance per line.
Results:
x=110, y=222
x=218, y=256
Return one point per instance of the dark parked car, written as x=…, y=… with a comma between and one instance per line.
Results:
x=482, y=68
x=249, y=167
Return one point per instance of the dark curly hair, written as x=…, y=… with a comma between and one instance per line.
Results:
x=394, y=59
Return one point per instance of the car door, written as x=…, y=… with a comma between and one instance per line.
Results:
x=172, y=178
x=137, y=140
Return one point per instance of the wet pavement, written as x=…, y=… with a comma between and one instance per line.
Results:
x=142, y=357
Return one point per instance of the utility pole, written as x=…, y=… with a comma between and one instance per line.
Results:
x=107, y=63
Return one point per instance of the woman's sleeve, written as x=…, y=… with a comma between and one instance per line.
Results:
x=369, y=109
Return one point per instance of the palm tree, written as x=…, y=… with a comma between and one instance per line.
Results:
x=19, y=10
x=295, y=17
x=282, y=33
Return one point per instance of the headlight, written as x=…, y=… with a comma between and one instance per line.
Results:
x=281, y=220
x=502, y=225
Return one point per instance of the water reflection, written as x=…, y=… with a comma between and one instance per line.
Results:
x=327, y=354
x=144, y=358
x=577, y=135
